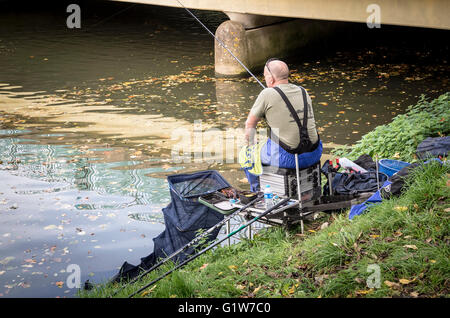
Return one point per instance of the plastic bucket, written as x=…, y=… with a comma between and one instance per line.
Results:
x=389, y=166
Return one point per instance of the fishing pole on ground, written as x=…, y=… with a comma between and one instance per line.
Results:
x=256, y=218
x=222, y=44
x=190, y=244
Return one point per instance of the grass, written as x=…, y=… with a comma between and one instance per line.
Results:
x=406, y=238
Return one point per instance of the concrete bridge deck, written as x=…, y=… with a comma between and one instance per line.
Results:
x=416, y=13
x=259, y=29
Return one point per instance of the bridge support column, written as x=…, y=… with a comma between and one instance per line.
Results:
x=253, y=39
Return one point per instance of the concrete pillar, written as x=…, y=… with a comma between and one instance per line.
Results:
x=253, y=43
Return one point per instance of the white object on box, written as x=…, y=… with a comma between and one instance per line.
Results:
x=350, y=165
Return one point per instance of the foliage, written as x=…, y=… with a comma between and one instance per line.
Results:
x=400, y=138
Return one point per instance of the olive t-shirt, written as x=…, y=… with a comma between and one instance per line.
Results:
x=271, y=106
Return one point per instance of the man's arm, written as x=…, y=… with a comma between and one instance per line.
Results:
x=250, y=128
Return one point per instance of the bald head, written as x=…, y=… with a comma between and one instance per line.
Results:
x=277, y=70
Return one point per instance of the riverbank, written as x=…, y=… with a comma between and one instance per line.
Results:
x=400, y=247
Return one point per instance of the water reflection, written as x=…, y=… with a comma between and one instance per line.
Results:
x=87, y=116
x=83, y=168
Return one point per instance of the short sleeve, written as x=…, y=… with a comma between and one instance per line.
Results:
x=260, y=106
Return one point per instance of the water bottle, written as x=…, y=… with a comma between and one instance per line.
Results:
x=268, y=196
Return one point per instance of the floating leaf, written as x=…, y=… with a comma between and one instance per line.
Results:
x=6, y=260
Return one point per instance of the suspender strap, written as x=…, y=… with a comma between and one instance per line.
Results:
x=305, y=144
x=291, y=108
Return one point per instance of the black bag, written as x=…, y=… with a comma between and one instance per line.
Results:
x=398, y=181
x=433, y=147
x=353, y=183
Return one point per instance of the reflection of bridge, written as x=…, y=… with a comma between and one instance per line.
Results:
x=260, y=28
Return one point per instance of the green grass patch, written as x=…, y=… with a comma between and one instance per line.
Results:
x=406, y=237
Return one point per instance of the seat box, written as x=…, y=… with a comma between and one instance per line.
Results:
x=284, y=181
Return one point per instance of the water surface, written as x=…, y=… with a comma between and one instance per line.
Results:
x=89, y=119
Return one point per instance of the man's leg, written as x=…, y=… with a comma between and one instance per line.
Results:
x=253, y=180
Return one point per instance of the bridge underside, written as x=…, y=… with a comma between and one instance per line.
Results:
x=259, y=29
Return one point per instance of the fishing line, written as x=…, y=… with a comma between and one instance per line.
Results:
x=222, y=44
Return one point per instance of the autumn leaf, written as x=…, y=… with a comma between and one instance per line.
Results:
x=204, y=266
x=148, y=291
x=292, y=289
x=411, y=247
x=401, y=208
x=405, y=281
x=391, y=284
x=364, y=292
x=232, y=267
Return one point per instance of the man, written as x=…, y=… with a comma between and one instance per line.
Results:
x=283, y=106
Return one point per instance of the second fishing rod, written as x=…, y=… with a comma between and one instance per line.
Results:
x=192, y=243
x=256, y=218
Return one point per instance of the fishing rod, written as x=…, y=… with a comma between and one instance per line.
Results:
x=222, y=44
x=256, y=218
x=190, y=244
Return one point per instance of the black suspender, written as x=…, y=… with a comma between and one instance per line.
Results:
x=305, y=144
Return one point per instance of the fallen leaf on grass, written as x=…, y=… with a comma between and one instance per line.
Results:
x=204, y=266
x=256, y=290
x=405, y=281
x=391, y=284
x=148, y=291
x=411, y=247
x=292, y=289
x=364, y=292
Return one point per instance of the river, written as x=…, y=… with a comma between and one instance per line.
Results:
x=90, y=117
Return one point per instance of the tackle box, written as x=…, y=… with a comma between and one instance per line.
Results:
x=217, y=202
x=221, y=203
x=284, y=181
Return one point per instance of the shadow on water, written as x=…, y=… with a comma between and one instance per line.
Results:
x=87, y=118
